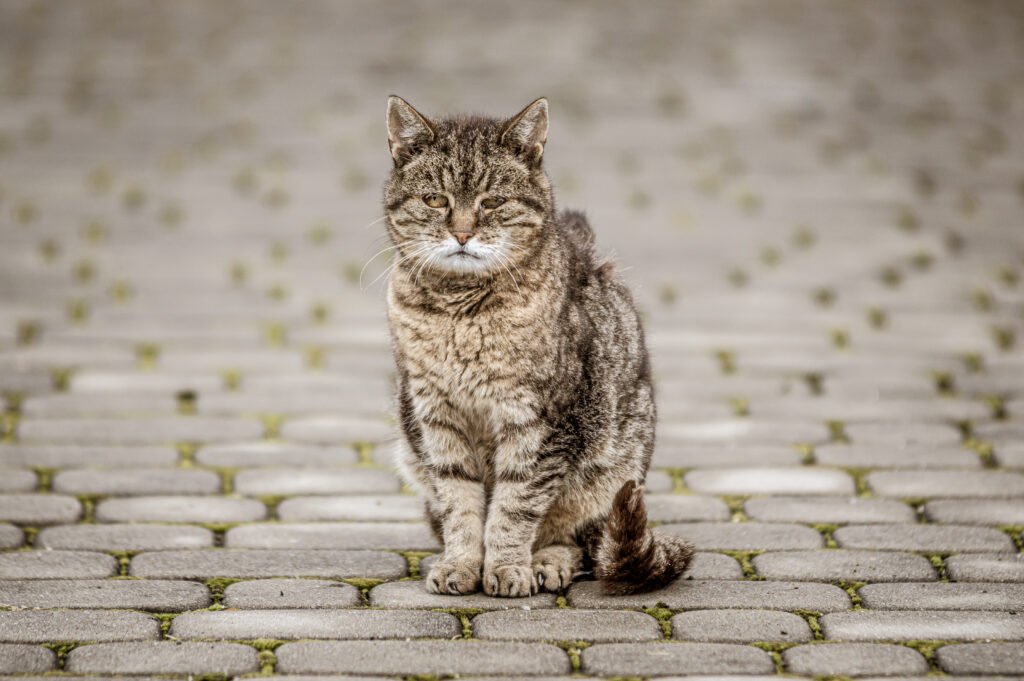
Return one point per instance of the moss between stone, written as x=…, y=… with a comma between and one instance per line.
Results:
x=939, y=564
x=1016, y=533
x=573, y=650
x=271, y=425
x=664, y=617
x=364, y=451
x=678, y=476
x=837, y=432
x=465, y=616
x=806, y=452
x=62, y=650
x=746, y=562
x=726, y=361
x=44, y=478
x=736, y=506
x=364, y=584
x=165, y=620
x=851, y=587
x=740, y=406
x=860, y=480
x=413, y=558
x=812, y=617
x=927, y=649
x=60, y=378
x=827, y=530
x=775, y=650
x=217, y=586
x=984, y=449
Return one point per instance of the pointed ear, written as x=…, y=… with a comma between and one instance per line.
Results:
x=527, y=131
x=408, y=130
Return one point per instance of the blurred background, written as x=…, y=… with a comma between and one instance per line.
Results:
x=806, y=197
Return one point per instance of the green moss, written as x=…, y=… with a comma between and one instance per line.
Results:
x=271, y=501
x=573, y=650
x=840, y=338
x=726, y=361
x=824, y=297
x=812, y=617
x=827, y=530
x=738, y=278
x=740, y=406
x=927, y=649
x=186, y=402
x=815, y=383
x=945, y=383
x=124, y=559
x=29, y=332
x=364, y=450
x=465, y=616
x=62, y=650
x=997, y=406
x=314, y=356
x=940, y=566
x=1016, y=533
x=746, y=561
x=664, y=617
x=275, y=334
x=1004, y=337
x=837, y=431
x=860, y=481
x=877, y=318
x=974, y=362
x=736, y=506
x=227, y=477
x=561, y=602
x=413, y=558
x=267, y=661
x=678, y=476
x=217, y=586
x=984, y=449
x=851, y=587
x=61, y=378
x=364, y=584
x=165, y=620
x=147, y=355
x=806, y=452
x=44, y=478
x=186, y=453
x=232, y=379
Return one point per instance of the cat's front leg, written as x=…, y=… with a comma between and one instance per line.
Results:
x=459, y=504
x=525, y=486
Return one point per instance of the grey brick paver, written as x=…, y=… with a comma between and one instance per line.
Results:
x=739, y=626
x=262, y=454
x=299, y=624
x=914, y=456
x=1006, y=567
x=665, y=659
x=694, y=595
x=163, y=657
x=937, y=625
x=11, y=537
x=741, y=431
x=337, y=430
x=746, y=536
x=853, y=659
x=289, y=481
x=260, y=594
x=745, y=481
x=143, y=481
x=678, y=508
x=182, y=509
x=129, y=594
x=378, y=507
x=136, y=431
x=943, y=596
x=20, y=658
x=834, y=565
x=12, y=480
x=79, y=456
x=42, y=626
x=903, y=434
x=241, y=563
x=828, y=510
x=947, y=484
x=421, y=657
x=931, y=538
x=406, y=536
x=39, y=509
x=596, y=626
x=670, y=455
x=124, y=537
x=976, y=511
x=982, y=658
x=56, y=565
x=413, y=595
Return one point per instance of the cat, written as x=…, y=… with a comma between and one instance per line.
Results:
x=524, y=385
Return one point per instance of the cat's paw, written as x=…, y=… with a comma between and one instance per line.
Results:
x=555, y=566
x=455, y=578
x=509, y=581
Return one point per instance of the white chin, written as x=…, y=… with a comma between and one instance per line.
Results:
x=463, y=263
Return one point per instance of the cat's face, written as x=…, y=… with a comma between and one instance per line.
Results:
x=467, y=196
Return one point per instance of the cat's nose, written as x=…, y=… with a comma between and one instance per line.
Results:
x=462, y=237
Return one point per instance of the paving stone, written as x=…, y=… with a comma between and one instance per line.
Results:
x=853, y=659
x=240, y=563
x=403, y=658
x=878, y=456
x=413, y=595
x=746, y=536
x=136, y=431
x=666, y=659
x=43, y=626
x=379, y=507
x=73, y=456
x=930, y=538
x=831, y=565
x=264, y=594
x=19, y=658
x=681, y=508
x=290, y=481
x=1001, y=432
x=124, y=537
x=747, y=481
x=741, y=431
x=261, y=454
x=90, y=382
x=739, y=626
x=943, y=596
x=982, y=658
x=947, y=484
x=299, y=624
x=181, y=509
x=39, y=509
x=163, y=657
x=129, y=594
x=976, y=512
x=903, y=434
x=76, y=405
x=668, y=455
x=12, y=480
x=702, y=595
x=338, y=430
x=828, y=510
x=595, y=626
x=936, y=625
x=1011, y=455
x=56, y=565
x=404, y=536
x=1006, y=567
x=658, y=482
x=141, y=481
x=10, y=536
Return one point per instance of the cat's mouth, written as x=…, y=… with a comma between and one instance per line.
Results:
x=463, y=254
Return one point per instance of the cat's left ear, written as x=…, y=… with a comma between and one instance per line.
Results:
x=408, y=130
x=527, y=131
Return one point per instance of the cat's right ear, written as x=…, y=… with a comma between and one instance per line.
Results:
x=408, y=130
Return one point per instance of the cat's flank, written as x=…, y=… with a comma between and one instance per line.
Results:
x=524, y=386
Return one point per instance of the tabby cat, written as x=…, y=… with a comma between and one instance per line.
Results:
x=524, y=387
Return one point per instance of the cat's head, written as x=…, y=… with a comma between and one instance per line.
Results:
x=467, y=195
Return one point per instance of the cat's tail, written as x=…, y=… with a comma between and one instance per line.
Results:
x=630, y=558
x=576, y=226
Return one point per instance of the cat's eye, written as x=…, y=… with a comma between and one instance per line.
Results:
x=436, y=200
x=492, y=202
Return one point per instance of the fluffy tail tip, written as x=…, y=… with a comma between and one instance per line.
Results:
x=631, y=558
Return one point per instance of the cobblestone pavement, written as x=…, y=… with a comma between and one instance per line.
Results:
x=818, y=205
